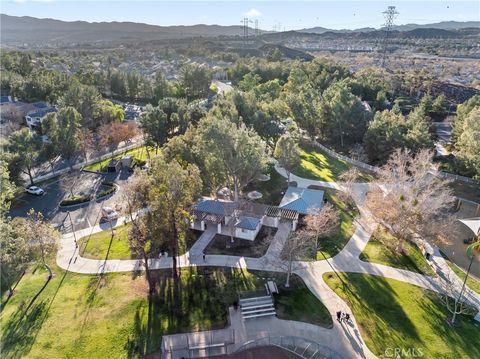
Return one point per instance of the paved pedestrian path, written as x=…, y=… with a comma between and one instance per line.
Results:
x=347, y=340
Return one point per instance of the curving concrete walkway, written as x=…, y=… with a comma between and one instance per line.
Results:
x=348, y=341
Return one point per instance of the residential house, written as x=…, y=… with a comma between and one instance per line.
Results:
x=35, y=117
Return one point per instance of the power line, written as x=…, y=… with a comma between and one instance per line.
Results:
x=390, y=14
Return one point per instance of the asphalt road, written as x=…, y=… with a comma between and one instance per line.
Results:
x=82, y=215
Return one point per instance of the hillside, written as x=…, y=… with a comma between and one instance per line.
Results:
x=20, y=30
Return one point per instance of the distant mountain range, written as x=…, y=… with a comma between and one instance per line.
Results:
x=444, y=25
x=25, y=29
x=17, y=31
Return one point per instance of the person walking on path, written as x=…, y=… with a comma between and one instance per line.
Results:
x=204, y=260
x=339, y=315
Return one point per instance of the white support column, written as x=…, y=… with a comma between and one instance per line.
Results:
x=294, y=224
x=202, y=225
x=219, y=228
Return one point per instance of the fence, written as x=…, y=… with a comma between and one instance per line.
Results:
x=371, y=168
x=89, y=162
x=302, y=347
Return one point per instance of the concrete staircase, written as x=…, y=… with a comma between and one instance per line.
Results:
x=257, y=307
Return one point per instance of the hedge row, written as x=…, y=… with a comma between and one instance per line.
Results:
x=83, y=199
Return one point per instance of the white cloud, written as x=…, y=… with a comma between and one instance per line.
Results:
x=253, y=13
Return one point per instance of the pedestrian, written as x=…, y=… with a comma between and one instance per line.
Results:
x=342, y=318
x=347, y=317
x=339, y=315
x=204, y=258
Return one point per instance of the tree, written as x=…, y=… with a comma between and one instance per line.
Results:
x=407, y=199
x=468, y=142
x=343, y=116
x=321, y=222
x=463, y=111
x=389, y=131
x=287, y=153
x=42, y=238
x=174, y=189
x=299, y=245
x=195, y=79
x=64, y=132
x=87, y=143
x=111, y=134
x=154, y=124
x=24, y=146
x=15, y=252
x=140, y=236
x=7, y=188
x=454, y=301
x=107, y=112
x=233, y=149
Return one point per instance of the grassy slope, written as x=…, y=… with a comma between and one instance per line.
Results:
x=334, y=243
x=86, y=316
x=395, y=314
x=318, y=165
x=139, y=153
x=472, y=283
x=272, y=190
x=100, y=244
x=411, y=259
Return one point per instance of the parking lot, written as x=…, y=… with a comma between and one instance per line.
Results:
x=82, y=215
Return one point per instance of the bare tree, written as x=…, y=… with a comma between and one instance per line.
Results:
x=408, y=199
x=454, y=299
x=358, y=153
x=349, y=178
x=42, y=238
x=87, y=143
x=69, y=181
x=322, y=222
x=299, y=245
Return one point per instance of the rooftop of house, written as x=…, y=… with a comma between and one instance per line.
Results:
x=41, y=113
x=302, y=200
x=214, y=206
x=249, y=223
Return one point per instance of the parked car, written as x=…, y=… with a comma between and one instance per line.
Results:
x=35, y=190
x=109, y=214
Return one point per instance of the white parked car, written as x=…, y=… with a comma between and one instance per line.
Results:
x=35, y=190
x=109, y=214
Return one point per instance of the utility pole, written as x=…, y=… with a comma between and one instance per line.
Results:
x=390, y=14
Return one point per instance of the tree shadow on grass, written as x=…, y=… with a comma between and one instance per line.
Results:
x=20, y=332
x=383, y=316
x=461, y=336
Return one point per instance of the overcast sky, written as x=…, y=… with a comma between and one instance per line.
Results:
x=286, y=15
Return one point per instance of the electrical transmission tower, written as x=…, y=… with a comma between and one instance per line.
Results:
x=256, y=27
x=389, y=15
x=245, y=29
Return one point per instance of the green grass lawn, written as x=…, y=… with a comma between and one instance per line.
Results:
x=472, y=283
x=83, y=316
x=272, y=190
x=298, y=303
x=140, y=153
x=318, y=165
x=334, y=243
x=394, y=314
x=98, y=245
x=411, y=259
